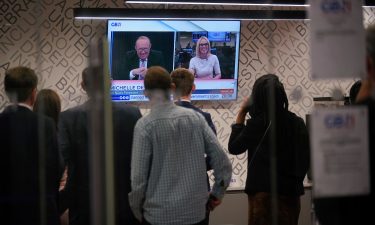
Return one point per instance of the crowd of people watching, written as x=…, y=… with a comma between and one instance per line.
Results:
x=161, y=159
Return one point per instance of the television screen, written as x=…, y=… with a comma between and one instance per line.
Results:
x=173, y=45
x=196, y=35
x=219, y=36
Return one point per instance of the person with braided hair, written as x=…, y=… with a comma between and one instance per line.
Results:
x=272, y=132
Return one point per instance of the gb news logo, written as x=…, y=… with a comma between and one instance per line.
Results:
x=116, y=24
x=344, y=121
x=336, y=11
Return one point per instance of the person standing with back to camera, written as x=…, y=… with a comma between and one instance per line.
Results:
x=291, y=141
x=204, y=65
x=183, y=82
x=48, y=103
x=28, y=149
x=74, y=141
x=168, y=167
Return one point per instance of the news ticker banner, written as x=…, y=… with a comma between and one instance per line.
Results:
x=132, y=90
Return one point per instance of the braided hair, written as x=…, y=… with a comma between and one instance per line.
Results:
x=268, y=94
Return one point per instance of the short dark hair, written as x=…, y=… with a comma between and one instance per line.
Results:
x=88, y=77
x=85, y=75
x=19, y=82
x=354, y=91
x=184, y=81
x=157, y=79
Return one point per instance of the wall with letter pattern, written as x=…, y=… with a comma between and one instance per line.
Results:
x=45, y=37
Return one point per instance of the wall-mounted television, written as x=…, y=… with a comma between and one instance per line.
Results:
x=197, y=34
x=219, y=36
x=175, y=42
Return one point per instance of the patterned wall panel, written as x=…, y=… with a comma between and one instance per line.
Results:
x=45, y=37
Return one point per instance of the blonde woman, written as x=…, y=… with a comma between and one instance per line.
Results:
x=204, y=65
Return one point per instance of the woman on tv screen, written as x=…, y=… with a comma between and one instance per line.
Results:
x=205, y=65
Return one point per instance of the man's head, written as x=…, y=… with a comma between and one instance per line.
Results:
x=20, y=85
x=183, y=81
x=143, y=46
x=89, y=76
x=85, y=84
x=157, y=83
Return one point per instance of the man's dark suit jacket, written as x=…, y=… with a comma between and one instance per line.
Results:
x=73, y=138
x=130, y=61
x=21, y=131
x=206, y=115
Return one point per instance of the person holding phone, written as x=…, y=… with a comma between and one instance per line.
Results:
x=280, y=135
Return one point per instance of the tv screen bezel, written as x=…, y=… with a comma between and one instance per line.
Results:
x=137, y=86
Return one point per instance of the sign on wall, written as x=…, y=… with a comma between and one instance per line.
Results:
x=337, y=39
x=339, y=150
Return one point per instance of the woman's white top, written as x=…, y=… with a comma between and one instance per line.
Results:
x=205, y=68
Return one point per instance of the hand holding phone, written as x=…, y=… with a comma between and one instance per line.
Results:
x=245, y=106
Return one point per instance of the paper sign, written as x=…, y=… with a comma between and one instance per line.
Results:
x=337, y=39
x=340, y=151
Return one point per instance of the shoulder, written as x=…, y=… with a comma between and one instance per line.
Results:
x=213, y=57
x=71, y=112
x=295, y=117
x=206, y=114
x=194, y=59
x=194, y=113
x=120, y=107
x=297, y=123
x=16, y=111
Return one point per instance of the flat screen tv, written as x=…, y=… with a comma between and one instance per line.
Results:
x=175, y=41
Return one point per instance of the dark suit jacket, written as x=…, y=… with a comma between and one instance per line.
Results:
x=130, y=61
x=20, y=167
x=206, y=115
x=73, y=138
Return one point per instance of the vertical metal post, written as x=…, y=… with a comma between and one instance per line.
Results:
x=100, y=138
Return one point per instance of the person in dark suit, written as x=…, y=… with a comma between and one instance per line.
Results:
x=183, y=81
x=138, y=60
x=29, y=166
x=74, y=144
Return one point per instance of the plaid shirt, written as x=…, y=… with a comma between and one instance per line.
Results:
x=168, y=169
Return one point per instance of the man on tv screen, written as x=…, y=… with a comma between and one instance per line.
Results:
x=138, y=60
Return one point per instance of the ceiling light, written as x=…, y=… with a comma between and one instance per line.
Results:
x=171, y=14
